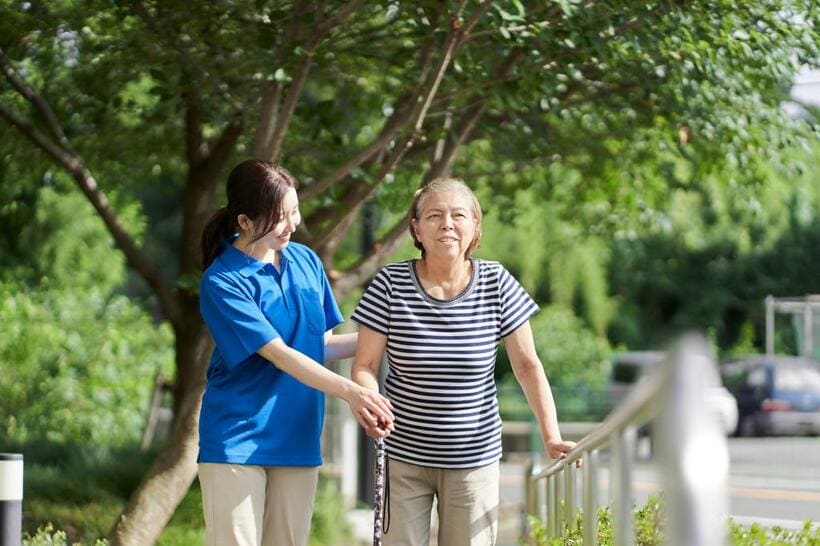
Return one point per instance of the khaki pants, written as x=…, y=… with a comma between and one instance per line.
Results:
x=248, y=505
x=467, y=505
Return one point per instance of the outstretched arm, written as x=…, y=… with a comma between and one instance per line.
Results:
x=529, y=371
x=338, y=347
x=369, y=407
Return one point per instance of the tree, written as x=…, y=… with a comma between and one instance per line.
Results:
x=716, y=254
x=366, y=100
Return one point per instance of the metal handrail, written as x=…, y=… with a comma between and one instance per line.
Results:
x=693, y=456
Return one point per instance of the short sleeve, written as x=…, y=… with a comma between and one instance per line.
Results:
x=234, y=319
x=373, y=309
x=333, y=316
x=516, y=305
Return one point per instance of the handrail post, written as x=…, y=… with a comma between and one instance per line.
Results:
x=623, y=453
x=590, y=473
x=533, y=496
x=569, y=495
x=694, y=451
x=550, y=515
x=557, y=496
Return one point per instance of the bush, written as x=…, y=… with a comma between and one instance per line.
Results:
x=47, y=536
x=649, y=530
x=78, y=365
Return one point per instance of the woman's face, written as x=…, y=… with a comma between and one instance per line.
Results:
x=446, y=225
x=279, y=237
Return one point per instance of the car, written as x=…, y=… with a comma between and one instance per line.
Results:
x=630, y=367
x=776, y=395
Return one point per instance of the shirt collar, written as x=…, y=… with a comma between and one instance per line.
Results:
x=245, y=264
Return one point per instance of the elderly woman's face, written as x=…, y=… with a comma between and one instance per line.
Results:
x=446, y=225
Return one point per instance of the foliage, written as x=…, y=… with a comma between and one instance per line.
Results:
x=329, y=526
x=552, y=256
x=77, y=366
x=78, y=360
x=47, y=536
x=758, y=535
x=572, y=354
x=575, y=361
x=648, y=525
x=711, y=260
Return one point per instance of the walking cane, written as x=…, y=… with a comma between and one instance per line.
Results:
x=380, y=486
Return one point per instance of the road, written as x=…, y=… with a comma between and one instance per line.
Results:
x=772, y=481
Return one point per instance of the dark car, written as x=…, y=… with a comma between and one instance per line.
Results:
x=776, y=395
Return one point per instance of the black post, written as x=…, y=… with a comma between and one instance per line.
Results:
x=11, y=499
x=367, y=452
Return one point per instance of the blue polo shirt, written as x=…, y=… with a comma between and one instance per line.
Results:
x=252, y=412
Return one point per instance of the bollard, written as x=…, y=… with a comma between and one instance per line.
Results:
x=11, y=499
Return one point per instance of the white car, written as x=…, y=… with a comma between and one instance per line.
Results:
x=629, y=368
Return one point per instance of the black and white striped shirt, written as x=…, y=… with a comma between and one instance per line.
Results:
x=441, y=356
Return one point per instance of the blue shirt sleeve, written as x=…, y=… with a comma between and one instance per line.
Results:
x=234, y=319
x=333, y=316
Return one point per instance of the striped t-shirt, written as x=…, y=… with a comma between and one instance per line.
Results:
x=441, y=356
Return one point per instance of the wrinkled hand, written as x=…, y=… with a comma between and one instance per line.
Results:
x=372, y=411
x=558, y=449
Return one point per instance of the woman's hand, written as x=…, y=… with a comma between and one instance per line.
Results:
x=558, y=449
x=373, y=411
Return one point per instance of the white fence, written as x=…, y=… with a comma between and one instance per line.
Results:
x=692, y=454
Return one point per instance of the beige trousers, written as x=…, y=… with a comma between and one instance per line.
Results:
x=467, y=505
x=248, y=505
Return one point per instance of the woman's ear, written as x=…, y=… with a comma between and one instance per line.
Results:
x=245, y=223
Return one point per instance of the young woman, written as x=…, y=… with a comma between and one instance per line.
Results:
x=440, y=318
x=268, y=305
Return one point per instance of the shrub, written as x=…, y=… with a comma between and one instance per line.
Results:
x=649, y=525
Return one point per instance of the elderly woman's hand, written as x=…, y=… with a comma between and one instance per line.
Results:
x=558, y=449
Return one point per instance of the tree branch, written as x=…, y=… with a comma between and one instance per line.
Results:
x=193, y=126
x=88, y=185
x=271, y=95
x=34, y=99
x=285, y=113
x=402, y=114
x=339, y=17
x=367, y=266
x=276, y=118
x=222, y=147
x=340, y=217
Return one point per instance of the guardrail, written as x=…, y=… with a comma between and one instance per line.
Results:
x=692, y=449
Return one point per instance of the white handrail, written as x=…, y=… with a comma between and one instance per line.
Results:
x=694, y=457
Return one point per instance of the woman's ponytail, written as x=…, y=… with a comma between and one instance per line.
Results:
x=219, y=227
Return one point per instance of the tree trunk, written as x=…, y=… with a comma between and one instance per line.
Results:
x=169, y=478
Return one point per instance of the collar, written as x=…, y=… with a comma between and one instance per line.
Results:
x=245, y=264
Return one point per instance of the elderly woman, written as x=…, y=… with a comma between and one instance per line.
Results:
x=440, y=319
